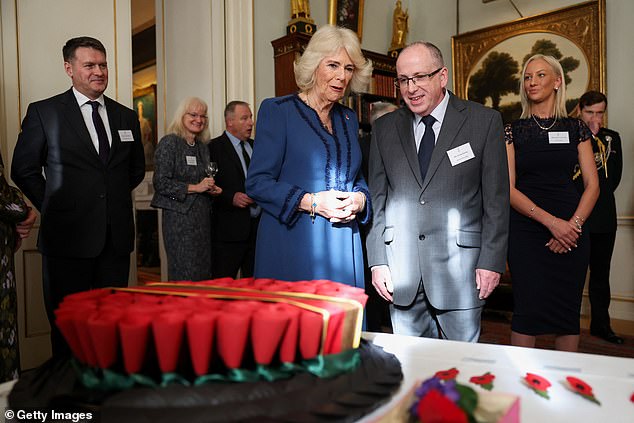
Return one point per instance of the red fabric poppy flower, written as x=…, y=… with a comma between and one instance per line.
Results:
x=437, y=408
x=580, y=386
x=447, y=374
x=632, y=398
x=485, y=381
x=537, y=382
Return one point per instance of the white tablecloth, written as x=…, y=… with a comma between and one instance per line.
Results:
x=612, y=378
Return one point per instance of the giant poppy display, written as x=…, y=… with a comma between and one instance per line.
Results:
x=241, y=329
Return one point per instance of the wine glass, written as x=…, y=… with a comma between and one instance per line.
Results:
x=211, y=169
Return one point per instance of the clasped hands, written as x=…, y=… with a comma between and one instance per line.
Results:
x=207, y=185
x=565, y=236
x=338, y=206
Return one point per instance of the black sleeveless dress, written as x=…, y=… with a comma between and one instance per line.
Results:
x=547, y=287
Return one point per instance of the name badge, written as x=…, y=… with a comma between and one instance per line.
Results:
x=191, y=160
x=558, y=138
x=460, y=154
x=125, y=135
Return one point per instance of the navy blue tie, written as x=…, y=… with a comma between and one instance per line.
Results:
x=245, y=155
x=427, y=143
x=102, y=135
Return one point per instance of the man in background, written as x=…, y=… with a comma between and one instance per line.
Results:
x=601, y=223
x=78, y=158
x=440, y=191
x=235, y=215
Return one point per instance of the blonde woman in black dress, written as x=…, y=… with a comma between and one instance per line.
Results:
x=548, y=248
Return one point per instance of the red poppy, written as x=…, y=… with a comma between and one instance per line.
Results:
x=447, y=374
x=437, y=408
x=632, y=398
x=580, y=386
x=537, y=382
x=485, y=379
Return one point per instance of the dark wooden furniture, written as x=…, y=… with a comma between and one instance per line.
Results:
x=289, y=47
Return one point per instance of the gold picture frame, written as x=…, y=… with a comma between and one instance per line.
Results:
x=576, y=32
x=347, y=14
x=144, y=103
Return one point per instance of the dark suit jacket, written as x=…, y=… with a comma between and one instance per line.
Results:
x=603, y=216
x=442, y=228
x=80, y=195
x=229, y=223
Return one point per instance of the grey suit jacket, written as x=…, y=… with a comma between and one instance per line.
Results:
x=172, y=173
x=456, y=220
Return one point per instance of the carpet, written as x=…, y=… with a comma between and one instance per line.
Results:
x=496, y=329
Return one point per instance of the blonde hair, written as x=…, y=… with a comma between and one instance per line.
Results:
x=560, y=94
x=327, y=41
x=176, y=127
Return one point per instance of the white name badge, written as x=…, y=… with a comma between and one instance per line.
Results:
x=191, y=160
x=125, y=135
x=460, y=154
x=558, y=138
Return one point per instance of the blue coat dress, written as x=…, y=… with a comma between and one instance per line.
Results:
x=294, y=155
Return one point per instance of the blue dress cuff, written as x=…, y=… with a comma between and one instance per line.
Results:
x=290, y=212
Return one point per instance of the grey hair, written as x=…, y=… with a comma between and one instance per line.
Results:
x=327, y=41
x=434, y=51
x=381, y=108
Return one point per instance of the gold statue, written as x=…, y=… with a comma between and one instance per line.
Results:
x=300, y=18
x=300, y=9
x=399, y=27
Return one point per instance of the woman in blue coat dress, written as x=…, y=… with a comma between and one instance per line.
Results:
x=305, y=170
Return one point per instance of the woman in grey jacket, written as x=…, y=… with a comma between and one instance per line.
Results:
x=184, y=191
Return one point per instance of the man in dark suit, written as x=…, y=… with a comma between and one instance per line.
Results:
x=89, y=148
x=235, y=215
x=601, y=223
x=440, y=191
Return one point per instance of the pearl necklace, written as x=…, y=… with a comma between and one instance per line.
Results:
x=541, y=127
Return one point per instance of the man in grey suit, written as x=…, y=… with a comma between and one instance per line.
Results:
x=439, y=184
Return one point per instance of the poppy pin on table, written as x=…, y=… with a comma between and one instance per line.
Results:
x=447, y=374
x=485, y=381
x=538, y=384
x=580, y=387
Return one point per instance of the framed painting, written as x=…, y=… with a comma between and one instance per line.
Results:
x=144, y=100
x=487, y=62
x=347, y=13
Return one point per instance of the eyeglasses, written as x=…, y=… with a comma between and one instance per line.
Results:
x=418, y=80
x=196, y=115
